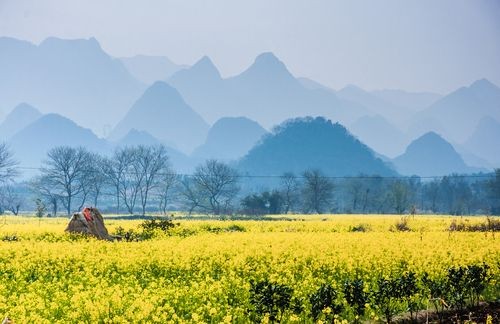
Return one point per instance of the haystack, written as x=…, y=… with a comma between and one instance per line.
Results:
x=89, y=221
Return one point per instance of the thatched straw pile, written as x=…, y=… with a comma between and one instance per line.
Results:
x=89, y=221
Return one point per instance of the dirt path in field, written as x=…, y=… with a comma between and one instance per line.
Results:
x=477, y=314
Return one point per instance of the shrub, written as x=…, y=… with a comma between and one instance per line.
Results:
x=392, y=292
x=10, y=238
x=270, y=299
x=408, y=287
x=490, y=225
x=402, y=225
x=163, y=225
x=355, y=295
x=325, y=298
x=236, y=228
x=360, y=228
x=128, y=236
x=467, y=283
x=148, y=230
x=438, y=292
x=218, y=229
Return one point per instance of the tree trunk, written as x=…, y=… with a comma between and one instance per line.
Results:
x=69, y=205
x=117, y=200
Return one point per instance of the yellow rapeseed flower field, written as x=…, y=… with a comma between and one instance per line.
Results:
x=204, y=271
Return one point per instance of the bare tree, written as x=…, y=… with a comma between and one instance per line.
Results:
x=66, y=169
x=493, y=189
x=400, y=195
x=431, y=194
x=150, y=163
x=8, y=166
x=94, y=178
x=126, y=176
x=290, y=191
x=42, y=187
x=115, y=172
x=135, y=173
x=356, y=190
x=189, y=195
x=166, y=188
x=217, y=185
x=11, y=199
x=317, y=191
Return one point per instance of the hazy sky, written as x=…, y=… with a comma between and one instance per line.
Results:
x=414, y=45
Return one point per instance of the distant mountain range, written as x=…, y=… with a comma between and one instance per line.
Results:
x=20, y=117
x=180, y=161
x=414, y=101
x=312, y=143
x=459, y=112
x=265, y=92
x=31, y=144
x=296, y=145
x=218, y=145
x=431, y=155
x=75, y=78
x=485, y=141
x=394, y=114
x=99, y=94
x=380, y=135
x=149, y=69
x=162, y=112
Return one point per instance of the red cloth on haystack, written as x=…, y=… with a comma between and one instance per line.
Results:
x=87, y=214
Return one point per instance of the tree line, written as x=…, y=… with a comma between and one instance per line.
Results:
x=141, y=179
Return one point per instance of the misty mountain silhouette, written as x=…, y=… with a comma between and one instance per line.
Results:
x=431, y=155
x=30, y=145
x=467, y=105
x=135, y=137
x=149, y=69
x=485, y=141
x=75, y=78
x=20, y=117
x=414, y=101
x=312, y=143
x=380, y=135
x=180, y=161
x=230, y=138
x=162, y=112
x=202, y=71
x=267, y=67
x=313, y=85
x=265, y=92
x=202, y=87
x=389, y=111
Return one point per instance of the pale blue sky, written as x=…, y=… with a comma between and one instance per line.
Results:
x=419, y=45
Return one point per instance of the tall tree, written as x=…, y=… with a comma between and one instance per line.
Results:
x=41, y=186
x=11, y=199
x=317, y=191
x=217, y=185
x=95, y=178
x=494, y=192
x=430, y=193
x=65, y=169
x=115, y=170
x=123, y=173
x=289, y=185
x=151, y=162
x=166, y=188
x=8, y=166
x=190, y=197
x=356, y=190
x=400, y=195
